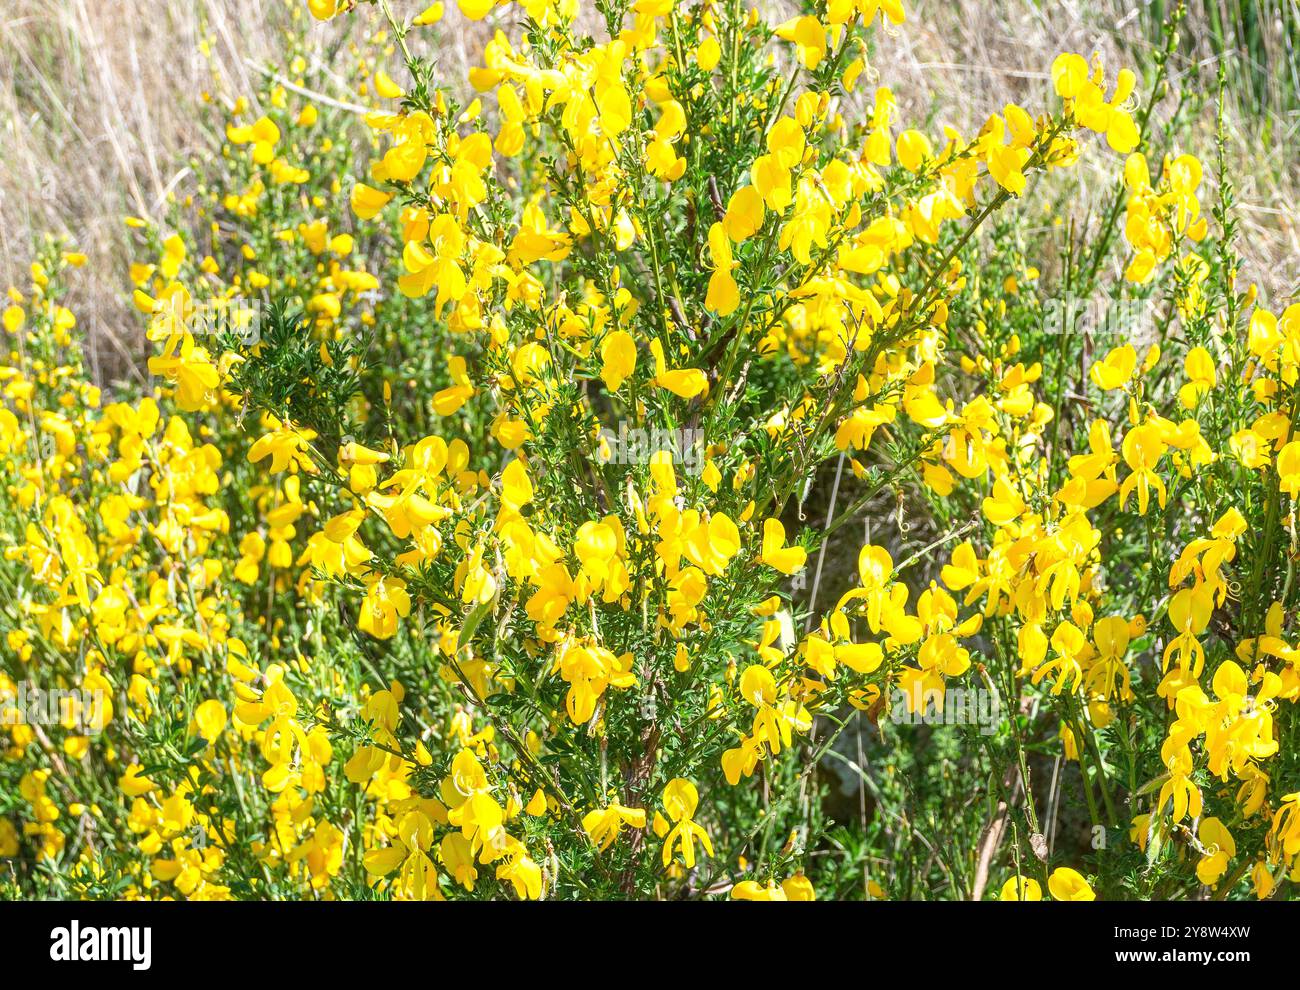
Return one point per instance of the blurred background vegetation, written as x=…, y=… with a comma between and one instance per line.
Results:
x=98, y=99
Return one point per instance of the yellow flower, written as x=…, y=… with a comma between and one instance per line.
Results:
x=775, y=554
x=386, y=600
x=323, y=10
x=475, y=10
x=618, y=357
x=1288, y=468
x=1218, y=849
x=809, y=38
x=210, y=719
x=1020, y=888
x=430, y=15
x=1069, y=74
x=368, y=201
x=686, y=383
x=1066, y=884
x=723, y=294
x=603, y=825
x=1115, y=370
x=680, y=801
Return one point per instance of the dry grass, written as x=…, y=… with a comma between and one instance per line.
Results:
x=961, y=62
x=97, y=108
x=97, y=103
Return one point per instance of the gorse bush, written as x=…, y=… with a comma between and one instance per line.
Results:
x=476, y=539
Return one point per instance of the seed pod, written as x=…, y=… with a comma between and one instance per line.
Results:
x=716, y=198
x=679, y=316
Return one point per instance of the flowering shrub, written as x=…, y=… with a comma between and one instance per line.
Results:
x=472, y=542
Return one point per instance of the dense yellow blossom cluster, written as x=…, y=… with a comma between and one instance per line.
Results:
x=433, y=629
